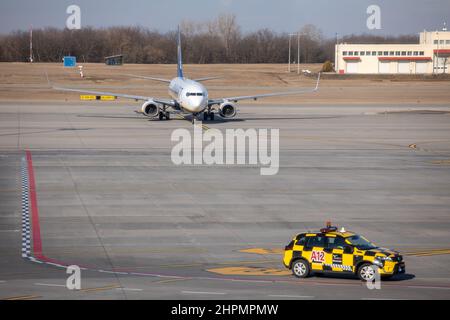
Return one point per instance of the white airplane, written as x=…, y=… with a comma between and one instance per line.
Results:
x=188, y=96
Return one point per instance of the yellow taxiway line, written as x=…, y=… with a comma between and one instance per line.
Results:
x=172, y=280
x=100, y=288
x=204, y=127
x=250, y=271
x=431, y=252
x=29, y=297
x=441, y=162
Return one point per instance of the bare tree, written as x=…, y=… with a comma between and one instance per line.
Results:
x=226, y=27
x=217, y=41
x=311, y=39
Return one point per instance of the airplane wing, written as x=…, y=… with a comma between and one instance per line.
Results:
x=207, y=79
x=166, y=80
x=259, y=96
x=167, y=102
x=147, y=78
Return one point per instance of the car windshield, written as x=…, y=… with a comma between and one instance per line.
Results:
x=361, y=242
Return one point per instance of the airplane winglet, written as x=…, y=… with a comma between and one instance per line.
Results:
x=48, y=80
x=147, y=78
x=318, y=82
x=208, y=78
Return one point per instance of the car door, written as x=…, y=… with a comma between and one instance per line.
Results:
x=314, y=251
x=338, y=255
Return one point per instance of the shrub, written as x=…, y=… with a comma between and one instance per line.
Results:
x=327, y=66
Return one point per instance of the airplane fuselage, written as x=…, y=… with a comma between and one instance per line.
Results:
x=192, y=96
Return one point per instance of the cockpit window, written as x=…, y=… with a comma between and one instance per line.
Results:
x=198, y=94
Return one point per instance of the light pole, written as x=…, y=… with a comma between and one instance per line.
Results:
x=31, y=44
x=437, y=53
x=298, y=51
x=336, y=54
x=289, y=63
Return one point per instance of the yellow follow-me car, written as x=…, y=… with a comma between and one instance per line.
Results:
x=333, y=251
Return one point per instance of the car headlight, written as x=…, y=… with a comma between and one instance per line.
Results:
x=383, y=258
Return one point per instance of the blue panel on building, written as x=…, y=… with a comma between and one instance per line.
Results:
x=70, y=62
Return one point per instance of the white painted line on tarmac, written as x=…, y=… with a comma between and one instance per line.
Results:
x=49, y=285
x=9, y=230
x=380, y=299
x=425, y=287
x=107, y=271
x=113, y=272
x=129, y=289
x=289, y=296
x=200, y=292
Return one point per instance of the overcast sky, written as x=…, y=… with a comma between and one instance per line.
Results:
x=341, y=16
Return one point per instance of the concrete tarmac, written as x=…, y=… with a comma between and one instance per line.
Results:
x=111, y=200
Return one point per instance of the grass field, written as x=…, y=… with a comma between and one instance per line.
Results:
x=25, y=82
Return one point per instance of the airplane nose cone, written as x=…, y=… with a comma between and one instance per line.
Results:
x=198, y=105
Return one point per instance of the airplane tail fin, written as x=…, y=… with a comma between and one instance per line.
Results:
x=180, y=57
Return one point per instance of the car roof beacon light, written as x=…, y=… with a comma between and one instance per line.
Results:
x=328, y=228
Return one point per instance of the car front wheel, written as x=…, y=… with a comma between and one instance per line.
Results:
x=300, y=269
x=367, y=272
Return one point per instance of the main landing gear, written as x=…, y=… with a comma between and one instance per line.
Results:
x=208, y=115
x=165, y=115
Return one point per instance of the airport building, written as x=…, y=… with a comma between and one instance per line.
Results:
x=429, y=56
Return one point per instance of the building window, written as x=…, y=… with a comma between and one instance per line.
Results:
x=416, y=53
x=409, y=53
x=435, y=42
x=374, y=53
x=447, y=41
x=421, y=53
x=380, y=53
x=397, y=53
x=403, y=53
x=367, y=53
x=386, y=53
x=350, y=53
x=441, y=42
x=361, y=53
x=391, y=53
x=344, y=53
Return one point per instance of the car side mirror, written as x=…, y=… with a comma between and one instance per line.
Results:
x=348, y=249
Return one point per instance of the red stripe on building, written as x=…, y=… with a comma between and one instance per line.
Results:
x=352, y=58
x=441, y=50
x=404, y=58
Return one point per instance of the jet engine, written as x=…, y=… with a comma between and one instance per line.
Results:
x=150, y=109
x=227, y=110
